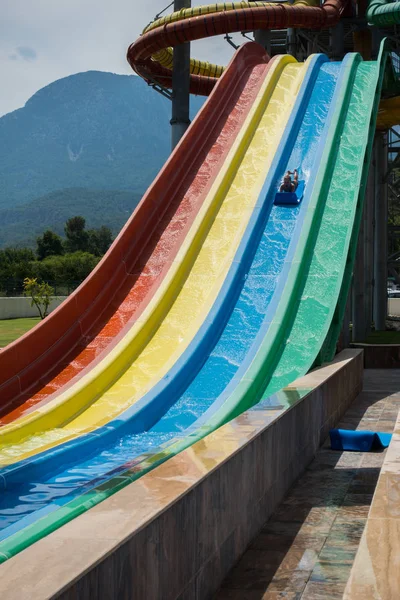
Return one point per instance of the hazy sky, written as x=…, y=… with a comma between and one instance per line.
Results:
x=44, y=40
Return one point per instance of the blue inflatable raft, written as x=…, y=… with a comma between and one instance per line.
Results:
x=290, y=198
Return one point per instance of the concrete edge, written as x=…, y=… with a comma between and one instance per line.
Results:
x=177, y=531
x=375, y=572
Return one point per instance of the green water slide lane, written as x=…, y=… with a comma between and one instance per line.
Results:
x=327, y=251
x=329, y=347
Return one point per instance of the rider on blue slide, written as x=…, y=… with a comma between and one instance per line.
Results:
x=287, y=184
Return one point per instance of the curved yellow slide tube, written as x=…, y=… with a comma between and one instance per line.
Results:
x=181, y=305
x=202, y=67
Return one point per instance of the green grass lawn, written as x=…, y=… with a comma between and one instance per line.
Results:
x=384, y=337
x=11, y=329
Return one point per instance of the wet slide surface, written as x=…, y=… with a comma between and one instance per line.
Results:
x=274, y=315
x=274, y=110
x=269, y=254
x=308, y=299
x=29, y=380
x=185, y=299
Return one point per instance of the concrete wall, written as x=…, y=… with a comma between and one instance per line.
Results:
x=17, y=308
x=176, y=532
x=380, y=356
x=394, y=307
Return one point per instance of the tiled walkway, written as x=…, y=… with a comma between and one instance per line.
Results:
x=306, y=550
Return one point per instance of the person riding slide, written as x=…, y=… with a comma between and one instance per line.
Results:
x=287, y=184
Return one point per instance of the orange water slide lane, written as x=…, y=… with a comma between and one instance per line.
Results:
x=61, y=349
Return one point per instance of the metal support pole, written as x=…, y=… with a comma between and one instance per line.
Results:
x=263, y=37
x=380, y=246
x=337, y=41
x=376, y=42
x=369, y=244
x=359, y=327
x=346, y=323
x=180, y=85
x=291, y=41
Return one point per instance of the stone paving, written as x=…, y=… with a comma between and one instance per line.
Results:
x=306, y=549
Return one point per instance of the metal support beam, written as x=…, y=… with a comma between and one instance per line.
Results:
x=369, y=222
x=337, y=41
x=358, y=317
x=180, y=85
x=291, y=42
x=345, y=333
x=376, y=42
x=380, y=246
x=263, y=37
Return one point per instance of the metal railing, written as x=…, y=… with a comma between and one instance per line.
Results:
x=14, y=287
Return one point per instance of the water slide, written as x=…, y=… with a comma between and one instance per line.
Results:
x=241, y=303
x=204, y=259
x=270, y=316
x=169, y=321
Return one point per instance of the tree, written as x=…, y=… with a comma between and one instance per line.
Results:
x=40, y=294
x=10, y=257
x=99, y=240
x=15, y=264
x=76, y=234
x=68, y=269
x=49, y=244
x=77, y=266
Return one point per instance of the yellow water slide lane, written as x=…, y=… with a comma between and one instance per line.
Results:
x=181, y=305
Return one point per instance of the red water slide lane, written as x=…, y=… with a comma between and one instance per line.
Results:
x=89, y=323
x=274, y=16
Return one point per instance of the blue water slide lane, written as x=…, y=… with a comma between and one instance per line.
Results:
x=145, y=413
x=274, y=242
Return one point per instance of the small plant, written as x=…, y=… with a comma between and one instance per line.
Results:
x=40, y=294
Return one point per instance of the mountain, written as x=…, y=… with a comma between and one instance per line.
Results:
x=19, y=226
x=93, y=130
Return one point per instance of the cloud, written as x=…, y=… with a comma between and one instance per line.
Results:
x=74, y=36
x=26, y=53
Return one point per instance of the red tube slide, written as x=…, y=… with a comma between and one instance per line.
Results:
x=78, y=333
x=273, y=16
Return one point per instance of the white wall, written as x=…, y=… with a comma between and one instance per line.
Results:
x=394, y=307
x=15, y=308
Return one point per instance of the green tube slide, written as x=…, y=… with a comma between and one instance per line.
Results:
x=382, y=13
